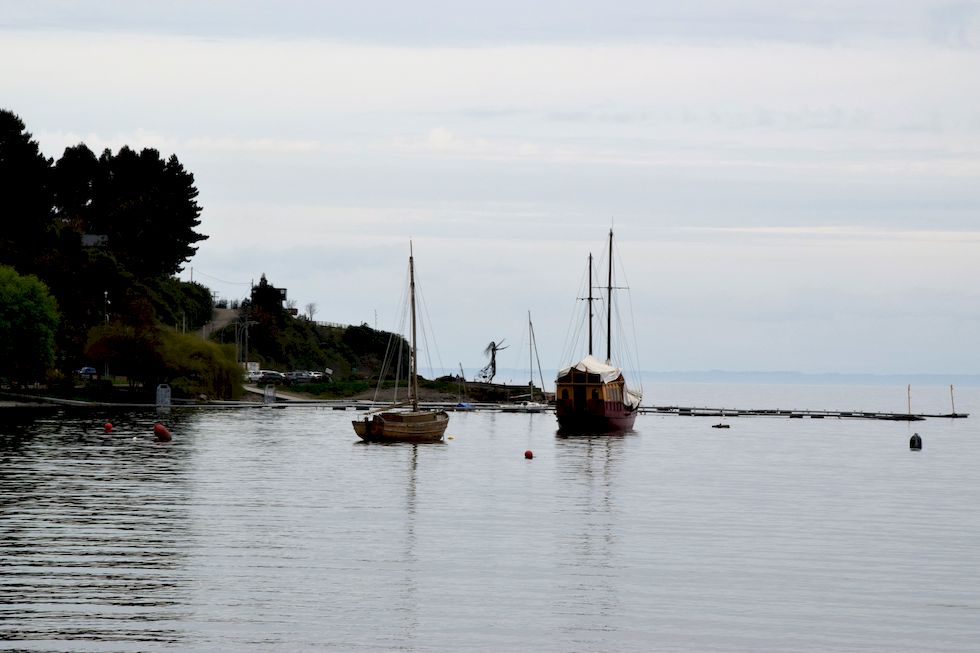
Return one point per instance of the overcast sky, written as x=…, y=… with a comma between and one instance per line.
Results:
x=793, y=186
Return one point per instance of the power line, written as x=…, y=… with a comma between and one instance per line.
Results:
x=232, y=283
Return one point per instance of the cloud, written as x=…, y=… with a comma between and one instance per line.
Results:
x=424, y=23
x=793, y=186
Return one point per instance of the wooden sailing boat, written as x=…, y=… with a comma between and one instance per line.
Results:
x=415, y=424
x=591, y=396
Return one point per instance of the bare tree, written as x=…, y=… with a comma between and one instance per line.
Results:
x=310, y=311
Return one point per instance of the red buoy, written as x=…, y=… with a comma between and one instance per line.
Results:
x=529, y=454
x=107, y=426
x=162, y=432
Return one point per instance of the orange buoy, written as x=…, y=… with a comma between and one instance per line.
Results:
x=162, y=432
x=529, y=454
x=107, y=426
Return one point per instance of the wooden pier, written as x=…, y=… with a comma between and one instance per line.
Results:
x=686, y=411
x=690, y=411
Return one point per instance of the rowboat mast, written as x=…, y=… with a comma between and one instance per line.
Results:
x=412, y=354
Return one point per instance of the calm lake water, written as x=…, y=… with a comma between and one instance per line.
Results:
x=276, y=530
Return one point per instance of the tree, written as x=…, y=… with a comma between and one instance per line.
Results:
x=28, y=322
x=74, y=182
x=310, y=311
x=26, y=199
x=181, y=303
x=148, y=209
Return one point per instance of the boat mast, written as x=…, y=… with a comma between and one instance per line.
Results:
x=413, y=358
x=530, y=356
x=609, y=302
x=590, y=303
x=534, y=349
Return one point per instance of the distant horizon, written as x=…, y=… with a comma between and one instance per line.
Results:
x=781, y=376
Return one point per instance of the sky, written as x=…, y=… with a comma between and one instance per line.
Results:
x=793, y=186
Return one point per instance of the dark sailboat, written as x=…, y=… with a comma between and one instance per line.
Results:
x=591, y=396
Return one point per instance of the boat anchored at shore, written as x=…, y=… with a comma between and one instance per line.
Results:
x=591, y=396
x=413, y=425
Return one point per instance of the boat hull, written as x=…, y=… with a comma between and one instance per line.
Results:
x=524, y=407
x=574, y=423
x=408, y=426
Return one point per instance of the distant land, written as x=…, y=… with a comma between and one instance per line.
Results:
x=775, y=378
x=826, y=378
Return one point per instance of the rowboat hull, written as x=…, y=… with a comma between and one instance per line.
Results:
x=403, y=426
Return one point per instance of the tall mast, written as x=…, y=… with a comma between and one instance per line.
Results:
x=590, y=303
x=609, y=303
x=534, y=348
x=530, y=356
x=413, y=358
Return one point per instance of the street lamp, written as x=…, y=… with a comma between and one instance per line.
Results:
x=106, y=296
x=241, y=336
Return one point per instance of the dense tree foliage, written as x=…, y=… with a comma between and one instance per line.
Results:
x=28, y=320
x=25, y=198
x=150, y=356
x=194, y=367
x=147, y=208
x=105, y=234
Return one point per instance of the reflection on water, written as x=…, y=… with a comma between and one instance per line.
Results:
x=589, y=592
x=278, y=530
x=94, y=533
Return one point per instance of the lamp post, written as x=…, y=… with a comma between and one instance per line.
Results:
x=105, y=294
x=241, y=339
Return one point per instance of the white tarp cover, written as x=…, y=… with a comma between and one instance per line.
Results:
x=592, y=365
x=632, y=399
x=606, y=373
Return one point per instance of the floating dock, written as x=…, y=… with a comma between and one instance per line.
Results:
x=687, y=411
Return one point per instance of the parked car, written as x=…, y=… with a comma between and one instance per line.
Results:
x=271, y=376
x=253, y=376
x=87, y=373
x=298, y=376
